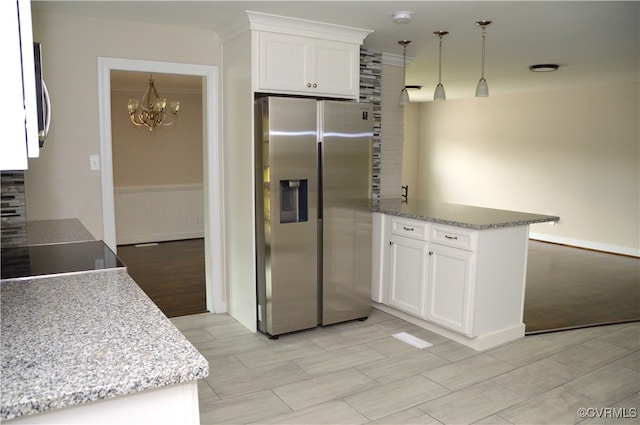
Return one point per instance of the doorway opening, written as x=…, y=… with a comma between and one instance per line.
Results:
x=158, y=189
x=212, y=173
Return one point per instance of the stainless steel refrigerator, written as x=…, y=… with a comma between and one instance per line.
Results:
x=313, y=212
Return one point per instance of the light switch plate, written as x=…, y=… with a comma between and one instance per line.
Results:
x=94, y=161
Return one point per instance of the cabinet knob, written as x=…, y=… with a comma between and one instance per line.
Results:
x=430, y=252
x=315, y=85
x=308, y=84
x=390, y=243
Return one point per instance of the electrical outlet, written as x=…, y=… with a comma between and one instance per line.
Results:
x=94, y=162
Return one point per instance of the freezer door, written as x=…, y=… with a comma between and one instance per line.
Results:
x=346, y=210
x=286, y=214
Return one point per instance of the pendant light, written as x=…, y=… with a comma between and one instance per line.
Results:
x=404, y=95
x=439, y=93
x=482, y=90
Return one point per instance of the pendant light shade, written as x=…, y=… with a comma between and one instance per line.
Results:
x=404, y=95
x=439, y=93
x=482, y=89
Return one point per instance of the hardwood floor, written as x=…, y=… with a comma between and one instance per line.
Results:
x=170, y=273
x=572, y=287
x=566, y=287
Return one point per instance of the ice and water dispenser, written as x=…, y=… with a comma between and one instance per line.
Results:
x=294, y=201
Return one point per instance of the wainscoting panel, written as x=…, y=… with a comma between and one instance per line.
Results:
x=158, y=213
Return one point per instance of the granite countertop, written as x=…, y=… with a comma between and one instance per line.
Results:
x=459, y=215
x=41, y=232
x=73, y=339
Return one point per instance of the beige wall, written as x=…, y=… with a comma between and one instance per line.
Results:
x=573, y=153
x=411, y=145
x=165, y=156
x=392, y=132
x=60, y=184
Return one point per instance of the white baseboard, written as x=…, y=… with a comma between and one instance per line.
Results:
x=597, y=246
x=478, y=343
x=157, y=237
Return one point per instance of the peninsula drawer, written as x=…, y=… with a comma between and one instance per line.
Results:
x=413, y=229
x=454, y=237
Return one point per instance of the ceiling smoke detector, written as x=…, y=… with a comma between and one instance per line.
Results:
x=402, y=17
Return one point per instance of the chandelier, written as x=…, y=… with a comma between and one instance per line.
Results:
x=151, y=110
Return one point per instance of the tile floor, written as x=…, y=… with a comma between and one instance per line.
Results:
x=357, y=373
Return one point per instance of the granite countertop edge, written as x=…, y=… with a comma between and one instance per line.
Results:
x=465, y=216
x=93, y=361
x=43, y=232
x=457, y=223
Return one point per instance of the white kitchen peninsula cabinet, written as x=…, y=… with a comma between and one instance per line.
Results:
x=307, y=66
x=408, y=265
x=450, y=287
x=475, y=265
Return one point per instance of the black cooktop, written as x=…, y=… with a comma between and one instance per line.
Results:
x=39, y=260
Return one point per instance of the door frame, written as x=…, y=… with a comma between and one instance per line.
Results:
x=213, y=183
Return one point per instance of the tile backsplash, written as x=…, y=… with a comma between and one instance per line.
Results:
x=371, y=91
x=13, y=209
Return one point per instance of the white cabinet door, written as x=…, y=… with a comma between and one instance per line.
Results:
x=449, y=288
x=337, y=68
x=20, y=135
x=408, y=274
x=304, y=65
x=284, y=63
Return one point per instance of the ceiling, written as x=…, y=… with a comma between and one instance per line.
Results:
x=594, y=42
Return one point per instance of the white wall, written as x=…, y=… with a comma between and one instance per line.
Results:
x=572, y=153
x=392, y=132
x=238, y=161
x=410, y=150
x=60, y=183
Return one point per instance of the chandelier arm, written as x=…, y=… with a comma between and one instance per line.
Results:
x=144, y=101
x=158, y=118
x=133, y=120
x=155, y=92
x=168, y=120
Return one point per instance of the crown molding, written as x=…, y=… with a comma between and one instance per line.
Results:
x=257, y=21
x=395, y=60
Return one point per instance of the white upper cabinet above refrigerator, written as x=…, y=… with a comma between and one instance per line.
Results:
x=305, y=65
x=299, y=57
x=19, y=109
